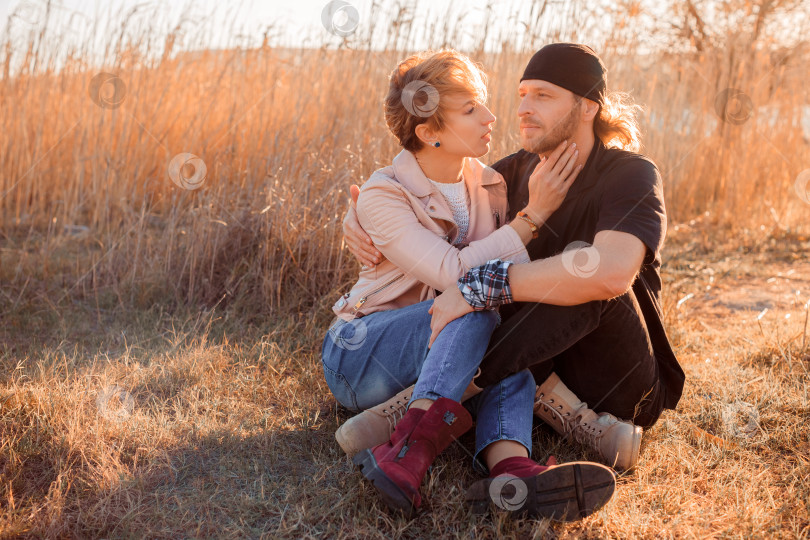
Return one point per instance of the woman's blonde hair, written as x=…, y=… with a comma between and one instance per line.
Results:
x=417, y=85
x=616, y=124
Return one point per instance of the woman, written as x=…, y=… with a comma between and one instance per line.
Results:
x=435, y=213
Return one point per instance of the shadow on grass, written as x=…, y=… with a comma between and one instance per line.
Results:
x=282, y=483
x=289, y=483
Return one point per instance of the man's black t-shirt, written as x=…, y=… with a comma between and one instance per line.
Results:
x=619, y=191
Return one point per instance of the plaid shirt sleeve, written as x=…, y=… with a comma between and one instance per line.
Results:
x=487, y=286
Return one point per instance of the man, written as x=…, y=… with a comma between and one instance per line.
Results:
x=587, y=316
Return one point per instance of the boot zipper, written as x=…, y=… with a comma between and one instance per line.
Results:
x=402, y=452
x=365, y=298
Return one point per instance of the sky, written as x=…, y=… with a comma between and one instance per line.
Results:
x=300, y=13
x=216, y=24
x=294, y=22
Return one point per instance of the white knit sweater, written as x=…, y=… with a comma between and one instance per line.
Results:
x=459, y=201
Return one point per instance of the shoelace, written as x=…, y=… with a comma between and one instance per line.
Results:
x=586, y=433
x=396, y=412
x=558, y=414
x=580, y=431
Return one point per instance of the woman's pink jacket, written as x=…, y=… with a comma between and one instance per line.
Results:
x=412, y=226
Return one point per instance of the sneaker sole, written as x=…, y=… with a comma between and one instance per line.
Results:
x=634, y=453
x=637, y=433
x=390, y=493
x=566, y=492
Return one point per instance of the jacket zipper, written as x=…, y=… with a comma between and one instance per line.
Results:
x=365, y=298
x=497, y=220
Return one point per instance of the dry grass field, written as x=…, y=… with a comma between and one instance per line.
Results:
x=159, y=346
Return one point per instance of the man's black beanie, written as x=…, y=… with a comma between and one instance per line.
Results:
x=572, y=66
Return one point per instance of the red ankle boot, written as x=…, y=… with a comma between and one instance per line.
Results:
x=396, y=468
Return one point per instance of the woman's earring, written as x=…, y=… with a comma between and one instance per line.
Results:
x=437, y=144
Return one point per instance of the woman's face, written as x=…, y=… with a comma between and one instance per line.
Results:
x=467, y=127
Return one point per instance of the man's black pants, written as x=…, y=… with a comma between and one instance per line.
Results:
x=601, y=350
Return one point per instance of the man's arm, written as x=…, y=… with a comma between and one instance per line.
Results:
x=599, y=272
x=358, y=241
x=604, y=270
x=630, y=232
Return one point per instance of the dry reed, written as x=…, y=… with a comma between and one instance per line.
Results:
x=207, y=306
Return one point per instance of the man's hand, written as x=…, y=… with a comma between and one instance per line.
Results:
x=446, y=308
x=359, y=243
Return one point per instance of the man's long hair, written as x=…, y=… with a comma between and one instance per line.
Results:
x=616, y=124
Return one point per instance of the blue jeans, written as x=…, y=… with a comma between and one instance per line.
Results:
x=368, y=360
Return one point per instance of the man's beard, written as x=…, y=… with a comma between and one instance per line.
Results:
x=563, y=130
